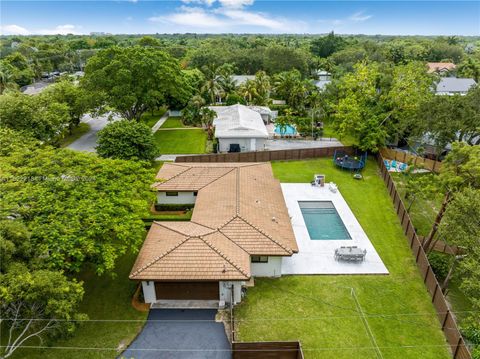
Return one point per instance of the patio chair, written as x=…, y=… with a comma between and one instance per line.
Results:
x=387, y=164
x=394, y=164
x=402, y=167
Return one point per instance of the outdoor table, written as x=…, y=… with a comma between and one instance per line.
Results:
x=350, y=254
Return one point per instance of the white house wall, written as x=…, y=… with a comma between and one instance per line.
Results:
x=245, y=144
x=182, y=198
x=149, y=291
x=225, y=290
x=273, y=268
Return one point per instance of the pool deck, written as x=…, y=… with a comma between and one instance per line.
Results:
x=317, y=256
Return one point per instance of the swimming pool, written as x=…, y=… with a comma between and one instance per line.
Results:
x=285, y=130
x=323, y=221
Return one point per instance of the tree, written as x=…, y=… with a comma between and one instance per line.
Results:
x=7, y=81
x=212, y=85
x=130, y=80
x=75, y=97
x=411, y=86
x=78, y=207
x=470, y=68
x=38, y=304
x=20, y=70
x=461, y=227
x=206, y=117
x=191, y=114
x=127, y=140
x=248, y=90
x=263, y=88
x=41, y=115
x=290, y=87
x=359, y=111
x=460, y=169
x=280, y=58
x=326, y=45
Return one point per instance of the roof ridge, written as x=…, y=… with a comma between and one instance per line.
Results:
x=157, y=258
x=179, y=232
x=265, y=234
x=237, y=193
x=224, y=256
x=216, y=179
x=178, y=174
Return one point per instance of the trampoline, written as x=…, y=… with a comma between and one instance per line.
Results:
x=348, y=162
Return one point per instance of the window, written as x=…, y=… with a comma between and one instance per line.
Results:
x=171, y=194
x=195, y=194
x=259, y=259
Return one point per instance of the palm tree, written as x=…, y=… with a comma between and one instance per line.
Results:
x=6, y=78
x=249, y=91
x=263, y=87
x=212, y=86
x=207, y=116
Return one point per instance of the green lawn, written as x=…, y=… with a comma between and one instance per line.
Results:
x=320, y=310
x=106, y=297
x=173, y=122
x=77, y=132
x=151, y=119
x=423, y=211
x=181, y=141
x=329, y=132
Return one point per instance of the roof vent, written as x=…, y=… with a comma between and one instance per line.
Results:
x=274, y=220
x=224, y=268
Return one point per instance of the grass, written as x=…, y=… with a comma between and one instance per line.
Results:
x=77, y=132
x=181, y=141
x=330, y=132
x=320, y=310
x=106, y=297
x=151, y=119
x=423, y=211
x=173, y=122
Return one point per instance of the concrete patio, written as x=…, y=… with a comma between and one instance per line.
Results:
x=317, y=256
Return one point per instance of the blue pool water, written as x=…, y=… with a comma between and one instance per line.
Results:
x=322, y=221
x=287, y=130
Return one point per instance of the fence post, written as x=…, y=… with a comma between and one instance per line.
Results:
x=459, y=343
x=435, y=292
x=445, y=319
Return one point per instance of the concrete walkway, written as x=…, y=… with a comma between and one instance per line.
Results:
x=160, y=122
x=287, y=144
x=180, y=334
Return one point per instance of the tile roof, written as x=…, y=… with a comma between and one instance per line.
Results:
x=239, y=211
x=440, y=66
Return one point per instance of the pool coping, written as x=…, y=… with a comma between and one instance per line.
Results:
x=317, y=256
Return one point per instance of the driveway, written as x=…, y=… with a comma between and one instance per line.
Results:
x=89, y=140
x=180, y=334
x=286, y=144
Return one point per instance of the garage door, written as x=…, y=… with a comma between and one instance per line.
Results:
x=187, y=290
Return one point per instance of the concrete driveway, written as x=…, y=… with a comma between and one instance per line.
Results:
x=88, y=141
x=180, y=334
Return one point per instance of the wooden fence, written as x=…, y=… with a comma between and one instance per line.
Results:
x=446, y=318
x=405, y=157
x=267, y=350
x=265, y=156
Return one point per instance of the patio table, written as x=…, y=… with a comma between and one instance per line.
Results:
x=350, y=254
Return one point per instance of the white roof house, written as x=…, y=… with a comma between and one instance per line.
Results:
x=453, y=85
x=241, y=79
x=239, y=125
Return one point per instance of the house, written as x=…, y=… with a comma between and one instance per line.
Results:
x=240, y=228
x=324, y=78
x=239, y=80
x=440, y=67
x=267, y=115
x=239, y=128
x=453, y=86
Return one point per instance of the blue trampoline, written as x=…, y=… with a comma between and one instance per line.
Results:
x=348, y=162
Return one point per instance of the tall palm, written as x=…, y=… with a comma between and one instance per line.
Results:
x=249, y=91
x=207, y=116
x=262, y=84
x=212, y=86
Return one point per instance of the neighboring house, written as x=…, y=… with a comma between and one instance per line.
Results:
x=324, y=78
x=440, y=68
x=239, y=128
x=240, y=228
x=241, y=79
x=453, y=86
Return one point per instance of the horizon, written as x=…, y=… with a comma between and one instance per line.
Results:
x=241, y=17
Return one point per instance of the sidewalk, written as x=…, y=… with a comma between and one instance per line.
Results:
x=160, y=122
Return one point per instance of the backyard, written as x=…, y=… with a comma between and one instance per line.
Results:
x=393, y=317
x=185, y=141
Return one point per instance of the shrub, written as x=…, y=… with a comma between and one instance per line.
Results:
x=173, y=207
x=440, y=263
x=233, y=99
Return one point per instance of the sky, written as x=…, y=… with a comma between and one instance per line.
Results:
x=19, y=17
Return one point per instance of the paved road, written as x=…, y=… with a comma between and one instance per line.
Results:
x=89, y=140
x=180, y=334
